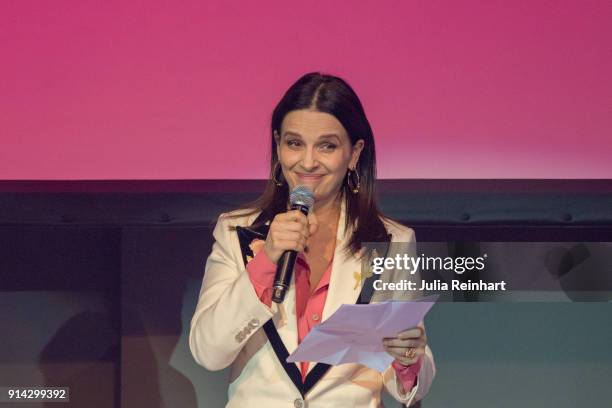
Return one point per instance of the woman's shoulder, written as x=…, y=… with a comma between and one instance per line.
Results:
x=241, y=217
x=400, y=232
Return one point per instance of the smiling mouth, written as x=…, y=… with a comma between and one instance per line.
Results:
x=309, y=176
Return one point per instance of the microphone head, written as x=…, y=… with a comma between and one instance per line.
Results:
x=302, y=195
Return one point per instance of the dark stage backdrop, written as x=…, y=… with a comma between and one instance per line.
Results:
x=99, y=281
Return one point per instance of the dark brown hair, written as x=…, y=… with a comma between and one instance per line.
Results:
x=329, y=94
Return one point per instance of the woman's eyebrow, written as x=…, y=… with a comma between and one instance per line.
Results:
x=325, y=136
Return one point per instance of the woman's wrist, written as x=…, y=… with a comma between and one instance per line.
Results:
x=405, y=369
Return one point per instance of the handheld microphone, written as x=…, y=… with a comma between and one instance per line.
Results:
x=302, y=199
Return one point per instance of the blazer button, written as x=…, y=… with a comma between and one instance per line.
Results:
x=298, y=403
x=239, y=337
x=254, y=323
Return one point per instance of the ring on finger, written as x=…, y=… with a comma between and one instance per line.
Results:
x=410, y=353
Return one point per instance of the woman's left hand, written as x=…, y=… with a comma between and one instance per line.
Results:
x=408, y=345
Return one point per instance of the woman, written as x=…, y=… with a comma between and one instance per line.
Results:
x=321, y=139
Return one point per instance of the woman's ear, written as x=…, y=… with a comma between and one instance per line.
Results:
x=357, y=148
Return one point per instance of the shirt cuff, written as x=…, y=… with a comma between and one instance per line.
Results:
x=407, y=374
x=261, y=272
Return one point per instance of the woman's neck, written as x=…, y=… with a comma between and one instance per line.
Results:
x=327, y=212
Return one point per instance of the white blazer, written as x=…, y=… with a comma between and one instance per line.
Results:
x=231, y=326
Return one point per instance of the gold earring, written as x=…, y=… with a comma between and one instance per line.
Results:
x=353, y=185
x=274, y=170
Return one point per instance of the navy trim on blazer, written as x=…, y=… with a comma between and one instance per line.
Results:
x=259, y=229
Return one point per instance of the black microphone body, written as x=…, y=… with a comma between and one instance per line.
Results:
x=286, y=263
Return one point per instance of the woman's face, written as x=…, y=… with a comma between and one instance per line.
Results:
x=314, y=150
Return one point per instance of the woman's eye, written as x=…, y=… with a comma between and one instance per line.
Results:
x=328, y=146
x=293, y=143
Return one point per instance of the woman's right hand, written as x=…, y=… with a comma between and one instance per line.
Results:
x=289, y=231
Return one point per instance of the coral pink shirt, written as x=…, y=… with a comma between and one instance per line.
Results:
x=309, y=306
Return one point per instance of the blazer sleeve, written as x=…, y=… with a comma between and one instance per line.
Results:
x=228, y=311
x=405, y=242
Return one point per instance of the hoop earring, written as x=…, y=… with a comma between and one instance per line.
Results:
x=274, y=170
x=353, y=185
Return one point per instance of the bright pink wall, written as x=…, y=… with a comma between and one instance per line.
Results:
x=184, y=90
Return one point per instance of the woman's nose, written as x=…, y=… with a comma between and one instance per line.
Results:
x=309, y=161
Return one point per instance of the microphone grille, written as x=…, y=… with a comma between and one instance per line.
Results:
x=302, y=195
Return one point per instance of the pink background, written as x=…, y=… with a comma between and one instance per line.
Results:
x=184, y=90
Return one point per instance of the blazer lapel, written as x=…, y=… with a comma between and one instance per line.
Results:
x=285, y=320
x=281, y=330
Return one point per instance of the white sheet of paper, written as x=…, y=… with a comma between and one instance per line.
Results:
x=354, y=333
